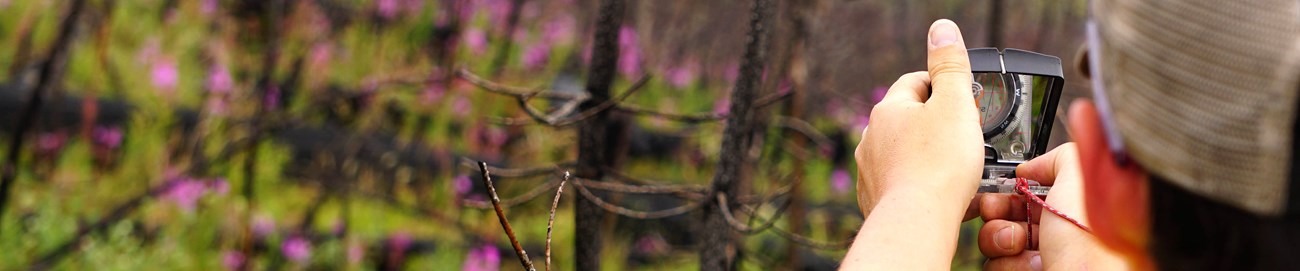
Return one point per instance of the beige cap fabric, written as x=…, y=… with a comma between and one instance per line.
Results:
x=1204, y=93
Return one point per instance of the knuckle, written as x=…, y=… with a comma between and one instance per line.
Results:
x=949, y=65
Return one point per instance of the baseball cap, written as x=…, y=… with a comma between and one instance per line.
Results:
x=1204, y=93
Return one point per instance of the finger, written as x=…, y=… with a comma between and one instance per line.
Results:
x=1030, y=260
x=999, y=238
x=949, y=66
x=1002, y=206
x=1044, y=168
x=911, y=87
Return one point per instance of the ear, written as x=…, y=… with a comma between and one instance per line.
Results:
x=1115, y=195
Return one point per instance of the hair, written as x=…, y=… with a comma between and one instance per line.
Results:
x=1190, y=232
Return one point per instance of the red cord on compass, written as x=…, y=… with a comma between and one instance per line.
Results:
x=1022, y=185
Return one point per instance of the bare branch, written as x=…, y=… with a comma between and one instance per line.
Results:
x=560, y=118
x=516, y=91
x=808, y=242
x=807, y=130
x=697, y=191
x=512, y=202
x=518, y=172
x=582, y=189
x=690, y=118
x=744, y=227
x=551, y=222
x=501, y=215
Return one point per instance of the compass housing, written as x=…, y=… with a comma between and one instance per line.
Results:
x=1016, y=115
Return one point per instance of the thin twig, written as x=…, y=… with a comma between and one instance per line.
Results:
x=551, y=222
x=561, y=118
x=518, y=172
x=806, y=241
x=807, y=130
x=689, y=118
x=516, y=91
x=511, y=202
x=686, y=191
x=582, y=189
x=501, y=215
x=744, y=227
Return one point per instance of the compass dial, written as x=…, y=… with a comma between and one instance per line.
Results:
x=996, y=96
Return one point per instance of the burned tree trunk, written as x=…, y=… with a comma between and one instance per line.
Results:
x=719, y=248
x=995, y=23
x=596, y=133
x=51, y=78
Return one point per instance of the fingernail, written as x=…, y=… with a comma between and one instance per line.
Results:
x=943, y=33
x=1005, y=238
x=1036, y=262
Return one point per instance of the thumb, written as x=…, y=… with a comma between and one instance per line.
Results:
x=949, y=65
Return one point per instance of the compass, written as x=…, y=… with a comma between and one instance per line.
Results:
x=998, y=97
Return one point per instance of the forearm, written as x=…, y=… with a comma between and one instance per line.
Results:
x=907, y=230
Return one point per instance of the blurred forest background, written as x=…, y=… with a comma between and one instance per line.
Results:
x=344, y=134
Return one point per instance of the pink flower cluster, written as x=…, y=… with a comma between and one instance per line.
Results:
x=840, y=181
x=483, y=258
x=629, y=59
x=107, y=136
x=186, y=191
x=296, y=249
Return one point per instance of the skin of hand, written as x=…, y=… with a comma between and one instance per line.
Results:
x=919, y=163
x=1061, y=244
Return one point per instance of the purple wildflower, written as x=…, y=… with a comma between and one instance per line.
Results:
x=208, y=7
x=629, y=60
x=296, y=249
x=387, y=9
x=462, y=106
x=462, y=184
x=263, y=226
x=433, y=92
x=682, y=76
x=558, y=30
x=731, y=73
x=356, y=252
x=219, y=185
x=50, y=142
x=164, y=75
x=476, y=40
x=272, y=99
x=321, y=54
x=536, y=55
x=653, y=244
x=219, y=79
x=840, y=181
x=107, y=136
x=483, y=258
x=216, y=105
x=498, y=12
x=232, y=260
x=185, y=193
x=722, y=106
